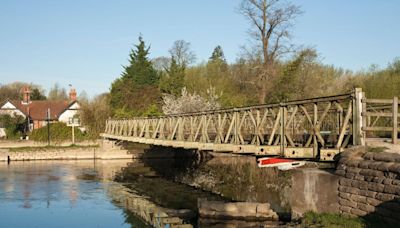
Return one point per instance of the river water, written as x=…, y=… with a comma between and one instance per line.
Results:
x=88, y=193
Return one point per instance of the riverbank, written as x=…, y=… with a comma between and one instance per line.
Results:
x=29, y=151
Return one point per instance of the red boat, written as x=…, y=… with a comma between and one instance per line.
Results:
x=280, y=163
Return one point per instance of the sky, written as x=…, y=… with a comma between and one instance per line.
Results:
x=86, y=43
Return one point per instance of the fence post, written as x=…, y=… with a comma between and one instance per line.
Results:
x=395, y=115
x=357, y=120
x=364, y=119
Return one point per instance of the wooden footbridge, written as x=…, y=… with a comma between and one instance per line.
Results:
x=317, y=128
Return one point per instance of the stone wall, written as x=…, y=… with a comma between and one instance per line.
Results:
x=106, y=150
x=369, y=184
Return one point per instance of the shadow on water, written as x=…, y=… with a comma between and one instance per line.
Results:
x=212, y=176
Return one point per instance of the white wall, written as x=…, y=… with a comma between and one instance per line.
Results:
x=69, y=113
x=10, y=109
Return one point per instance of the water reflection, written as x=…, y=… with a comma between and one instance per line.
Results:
x=61, y=194
x=120, y=193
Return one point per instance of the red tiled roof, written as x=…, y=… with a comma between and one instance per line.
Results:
x=37, y=110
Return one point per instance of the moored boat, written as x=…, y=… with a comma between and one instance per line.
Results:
x=280, y=163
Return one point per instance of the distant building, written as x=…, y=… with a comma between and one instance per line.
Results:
x=36, y=112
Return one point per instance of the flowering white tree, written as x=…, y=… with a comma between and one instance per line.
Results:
x=188, y=102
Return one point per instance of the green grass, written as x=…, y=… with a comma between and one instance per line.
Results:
x=377, y=149
x=331, y=220
x=44, y=148
x=312, y=219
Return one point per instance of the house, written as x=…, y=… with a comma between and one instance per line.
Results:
x=38, y=113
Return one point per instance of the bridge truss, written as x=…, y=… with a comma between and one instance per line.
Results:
x=311, y=128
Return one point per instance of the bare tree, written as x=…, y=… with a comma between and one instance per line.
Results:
x=182, y=54
x=161, y=63
x=271, y=21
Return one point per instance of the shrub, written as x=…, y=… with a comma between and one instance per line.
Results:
x=59, y=132
x=14, y=126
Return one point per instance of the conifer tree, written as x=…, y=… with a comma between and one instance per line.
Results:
x=173, y=82
x=137, y=88
x=217, y=61
x=218, y=54
x=140, y=68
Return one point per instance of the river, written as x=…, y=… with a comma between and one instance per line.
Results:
x=88, y=193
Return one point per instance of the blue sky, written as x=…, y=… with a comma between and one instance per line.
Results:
x=86, y=42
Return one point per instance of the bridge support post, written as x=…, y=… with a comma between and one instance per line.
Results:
x=358, y=136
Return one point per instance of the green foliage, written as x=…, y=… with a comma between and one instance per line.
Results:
x=173, y=81
x=331, y=220
x=218, y=54
x=123, y=113
x=218, y=57
x=14, y=126
x=137, y=88
x=94, y=114
x=381, y=83
x=59, y=132
x=152, y=110
x=12, y=91
x=140, y=68
x=37, y=95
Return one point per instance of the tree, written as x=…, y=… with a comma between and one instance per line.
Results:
x=180, y=50
x=137, y=88
x=217, y=59
x=218, y=55
x=140, y=68
x=271, y=21
x=37, y=95
x=57, y=93
x=94, y=114
x=161, y=63
x=12, y=91
x=15, y=126
x=181, y=57
x=173, y=81
x=188, y=102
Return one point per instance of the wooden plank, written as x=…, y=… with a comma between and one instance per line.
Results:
x=377, y=128
x=315, y=137
x=378, y=101
x=271, y=137
x=395, y=115
x=344, y=126
x=380, y=114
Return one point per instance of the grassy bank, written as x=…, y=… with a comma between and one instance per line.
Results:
x=312, y=219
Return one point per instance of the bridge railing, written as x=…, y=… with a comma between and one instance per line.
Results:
x=380, y=118
x=310, y=128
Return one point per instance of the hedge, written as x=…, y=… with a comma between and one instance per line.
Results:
x=59, y=132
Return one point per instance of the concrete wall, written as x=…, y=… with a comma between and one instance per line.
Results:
x=370, y=184
x=314, y=190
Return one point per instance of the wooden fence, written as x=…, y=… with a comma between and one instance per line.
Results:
x=380, y=117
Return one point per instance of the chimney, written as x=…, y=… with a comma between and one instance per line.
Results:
x=72, y=95
x=26, y=93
